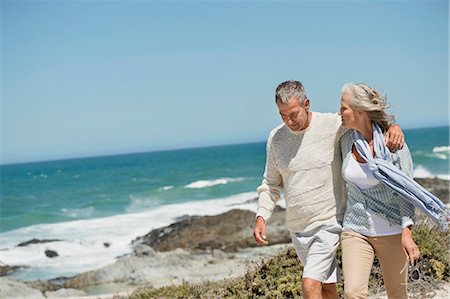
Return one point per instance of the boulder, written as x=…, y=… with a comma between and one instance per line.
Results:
x=51, y=253
x=37, y=241
x=227, y=232
x=10, y=288
x=6, y=269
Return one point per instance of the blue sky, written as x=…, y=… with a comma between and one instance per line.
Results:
x=84, y=78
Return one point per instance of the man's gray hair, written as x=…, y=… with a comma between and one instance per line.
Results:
x=288, y=90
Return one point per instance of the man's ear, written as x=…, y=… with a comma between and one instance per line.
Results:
x=306, y=104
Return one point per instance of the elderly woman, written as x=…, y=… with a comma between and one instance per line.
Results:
x=377, y=221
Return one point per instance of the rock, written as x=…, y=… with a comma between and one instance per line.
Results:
x=47, y=285
x=51, y=253
x=228, y=232
x=62, y=293
x=135, y=270
x=106, y=244
x=219, y=254
x=10, y=288
x=37, y=241
x=5, y=269
x=142, y=250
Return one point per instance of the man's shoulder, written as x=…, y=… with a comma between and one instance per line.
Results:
x=279, y=136
x=328, y=117
x=280, y=129
x=326, y=123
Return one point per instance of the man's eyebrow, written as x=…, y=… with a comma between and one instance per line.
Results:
x=288, y=115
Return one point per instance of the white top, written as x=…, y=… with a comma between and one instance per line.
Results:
x=362, y=176
x=306, y=165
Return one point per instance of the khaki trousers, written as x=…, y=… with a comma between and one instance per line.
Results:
x=358, y=253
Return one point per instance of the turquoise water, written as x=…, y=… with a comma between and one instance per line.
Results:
x=430, y=151
x=56, y=191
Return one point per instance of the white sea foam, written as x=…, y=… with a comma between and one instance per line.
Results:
x=138, y=203
x=441, y=152
x=440, y=149
x=210, y=183
x=422, y=172
x=82, y=246
x=78, y=213
x=165, y=188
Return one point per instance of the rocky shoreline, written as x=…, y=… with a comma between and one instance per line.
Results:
x=193, y=249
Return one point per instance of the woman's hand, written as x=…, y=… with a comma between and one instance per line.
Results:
x=409, y=246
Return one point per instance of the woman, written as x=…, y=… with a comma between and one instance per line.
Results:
x=376, y=222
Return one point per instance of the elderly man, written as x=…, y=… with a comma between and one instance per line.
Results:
x=304, y=161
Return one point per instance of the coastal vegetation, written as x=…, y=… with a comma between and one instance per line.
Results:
x=280, y=276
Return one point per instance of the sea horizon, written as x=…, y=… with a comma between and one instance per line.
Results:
x=137, y=152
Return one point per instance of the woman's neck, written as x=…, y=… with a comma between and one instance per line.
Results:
x=366, y=130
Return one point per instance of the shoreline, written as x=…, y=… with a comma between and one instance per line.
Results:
x=188, y=247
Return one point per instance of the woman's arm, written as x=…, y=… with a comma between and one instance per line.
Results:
x=403, y=160
x=409, y=246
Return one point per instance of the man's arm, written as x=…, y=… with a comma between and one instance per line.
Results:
x=268, y=195
x=394, y=138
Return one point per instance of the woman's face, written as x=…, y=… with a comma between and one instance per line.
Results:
x=349, y=117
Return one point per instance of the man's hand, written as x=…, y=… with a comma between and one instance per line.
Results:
x=394, y=138
x=260, y=231
x=409, y=246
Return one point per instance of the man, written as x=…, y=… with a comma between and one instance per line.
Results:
x=304, y=161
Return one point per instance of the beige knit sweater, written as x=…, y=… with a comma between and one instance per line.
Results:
x=306, y=166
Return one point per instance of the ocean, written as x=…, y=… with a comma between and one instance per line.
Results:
x=95, y=207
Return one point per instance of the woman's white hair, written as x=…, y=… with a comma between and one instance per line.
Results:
x=367, y=99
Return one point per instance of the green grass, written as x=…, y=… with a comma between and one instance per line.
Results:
x=280, y=276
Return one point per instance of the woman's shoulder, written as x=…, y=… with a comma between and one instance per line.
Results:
x=347, y=138
x=404, y=151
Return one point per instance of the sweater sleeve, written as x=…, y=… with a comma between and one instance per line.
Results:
x=403, y=160
x=271, y=186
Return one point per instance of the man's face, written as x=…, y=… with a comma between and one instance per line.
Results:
x=294, y=115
